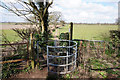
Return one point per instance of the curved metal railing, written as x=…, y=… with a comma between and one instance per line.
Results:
x=61, y=57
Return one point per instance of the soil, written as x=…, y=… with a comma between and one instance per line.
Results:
x=55, y=36
x=33, y=74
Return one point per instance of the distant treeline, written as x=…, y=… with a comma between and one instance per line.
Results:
x=25, y=23
x=16, y=23
x=95, y=23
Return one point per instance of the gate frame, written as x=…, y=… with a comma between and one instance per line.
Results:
x=65, y=65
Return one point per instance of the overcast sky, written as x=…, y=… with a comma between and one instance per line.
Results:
x=79, y=11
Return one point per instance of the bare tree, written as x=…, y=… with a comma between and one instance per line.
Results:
x=118, y=23
x=25, y=9
x=62, y=22
x=55, y=18
x=36, y=8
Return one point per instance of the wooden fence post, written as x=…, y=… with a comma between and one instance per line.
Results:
x=28, y=54
x=71, y=31
x=104, y=48
x=80, y=54
x=31, y=51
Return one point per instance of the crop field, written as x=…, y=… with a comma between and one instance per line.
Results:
x=81, y=31
x=89, y=32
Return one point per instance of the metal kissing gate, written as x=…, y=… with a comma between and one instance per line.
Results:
x=61, y=56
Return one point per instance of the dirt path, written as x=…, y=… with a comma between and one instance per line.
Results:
x=56, y=34
x=33, y=74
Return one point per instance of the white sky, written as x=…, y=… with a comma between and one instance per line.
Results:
x=80, y=11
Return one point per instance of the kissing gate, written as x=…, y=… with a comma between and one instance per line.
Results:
x=61, y=56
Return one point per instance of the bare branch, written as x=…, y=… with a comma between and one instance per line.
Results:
x=34, y=7
x=49, y=4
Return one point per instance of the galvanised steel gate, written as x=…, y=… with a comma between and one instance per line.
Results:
x=61, y=56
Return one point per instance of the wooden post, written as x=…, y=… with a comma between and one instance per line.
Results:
x=28, y=54
x=31, y=51
x=80, y=55
x=71, y=31
x=104, y=48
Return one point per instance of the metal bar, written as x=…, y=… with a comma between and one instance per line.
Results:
x=37, y=50
x=61, y=41
x=61, y=56
x=75, y=56
x=67, y=62
x=62, y=46
x=48, y=57
x=61, y=65
x=68, y=54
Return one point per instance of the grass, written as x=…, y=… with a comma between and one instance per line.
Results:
x=10, y=35
x=89, y=32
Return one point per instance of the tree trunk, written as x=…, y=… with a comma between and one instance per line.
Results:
x=43, y=27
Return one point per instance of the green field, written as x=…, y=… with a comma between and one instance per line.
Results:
x=89, y=32
x=10, y=35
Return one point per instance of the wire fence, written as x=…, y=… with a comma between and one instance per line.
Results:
x=92, y=55
x=97, y=55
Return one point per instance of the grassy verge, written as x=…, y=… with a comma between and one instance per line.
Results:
x=90, y=32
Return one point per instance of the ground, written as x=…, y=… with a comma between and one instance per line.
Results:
x=81, y=31
x=33, y=74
